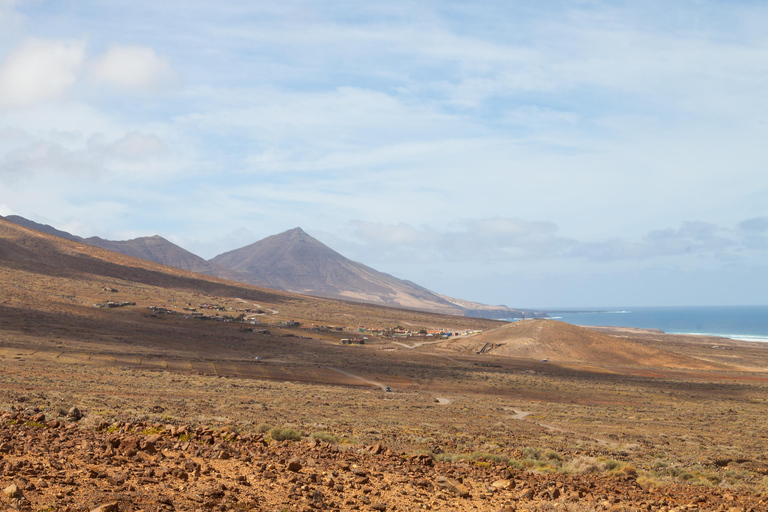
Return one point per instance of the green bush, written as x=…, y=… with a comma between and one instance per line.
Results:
x=532, y=453
x=325, y=437
x=284, y=434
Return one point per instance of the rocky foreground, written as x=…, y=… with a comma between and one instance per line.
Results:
x=54, y=465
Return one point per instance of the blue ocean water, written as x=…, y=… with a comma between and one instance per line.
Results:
x=749, y=323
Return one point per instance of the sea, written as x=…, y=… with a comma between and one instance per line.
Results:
x=748, y=323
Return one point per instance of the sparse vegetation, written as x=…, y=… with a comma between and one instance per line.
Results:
x=660, y=425
x=284, y=434
x=325, y=437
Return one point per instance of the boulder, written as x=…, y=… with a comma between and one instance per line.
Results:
x=453, y=486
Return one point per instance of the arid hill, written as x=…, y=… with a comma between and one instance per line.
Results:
x=44, y=272
x=44, y=228
x=565, y=343
x=158, y=249
x=296, y=262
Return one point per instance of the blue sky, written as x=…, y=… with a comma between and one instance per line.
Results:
x=578, y=153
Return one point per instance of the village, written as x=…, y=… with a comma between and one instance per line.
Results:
x=253, y=316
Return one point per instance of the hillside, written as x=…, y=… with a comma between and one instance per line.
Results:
x=297, y=262
x=560, y=342
x=45, y=272
x=43, y=228
x=159, y=250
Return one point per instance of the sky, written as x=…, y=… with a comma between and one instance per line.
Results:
x=533, y=154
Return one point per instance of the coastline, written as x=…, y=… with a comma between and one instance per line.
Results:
x=742, y=323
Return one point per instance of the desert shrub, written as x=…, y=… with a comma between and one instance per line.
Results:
x=263, y=428
x=610, y=464
x=36, y=424
x=325, y=437
x=490, y=457
x=446, y=457
x=284, y=434
x=583, y=465
x=629, y=470
x=532, y=453
x=552, y=455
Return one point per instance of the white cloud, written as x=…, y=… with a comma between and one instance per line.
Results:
x=39, y=70
x=9, y=18
x=46, y=157
x=756, y=224
x=5, y=210
x=134, y=68
x=131, y=147
x=517, y=240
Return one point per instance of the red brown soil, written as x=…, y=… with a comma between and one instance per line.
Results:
x=561, y=342
x=55, y=465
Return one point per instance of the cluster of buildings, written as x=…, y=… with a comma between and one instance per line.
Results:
x=112, y=304
x=402, y=332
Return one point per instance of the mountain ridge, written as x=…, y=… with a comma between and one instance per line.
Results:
x=293, y=261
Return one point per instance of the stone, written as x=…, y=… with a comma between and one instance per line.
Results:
x=381, y=507
x=526, y=494
x=12, y=491
x=503, y=484
x=180, y=474
x=74, y=414
x=294, y=466
x=129, y=446
x=5, y=448
x=452, y=486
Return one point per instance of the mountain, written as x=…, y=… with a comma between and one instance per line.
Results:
x=50, y=284
x=44, y=228
x=560, y=342
x=158, y=249
x=151, y=248
x=295, y=261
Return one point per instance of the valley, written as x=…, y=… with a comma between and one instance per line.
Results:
x=181, y=413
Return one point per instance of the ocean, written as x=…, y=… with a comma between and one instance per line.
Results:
x=749, y=323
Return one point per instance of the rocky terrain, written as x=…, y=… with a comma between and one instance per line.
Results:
x=190, y=392
x=54, y=465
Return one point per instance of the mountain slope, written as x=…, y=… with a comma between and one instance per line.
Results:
x=297, y=262
x=43, y=228
x=46, y=280
x=159, y=250
x=151, y=248
x=294, y=261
